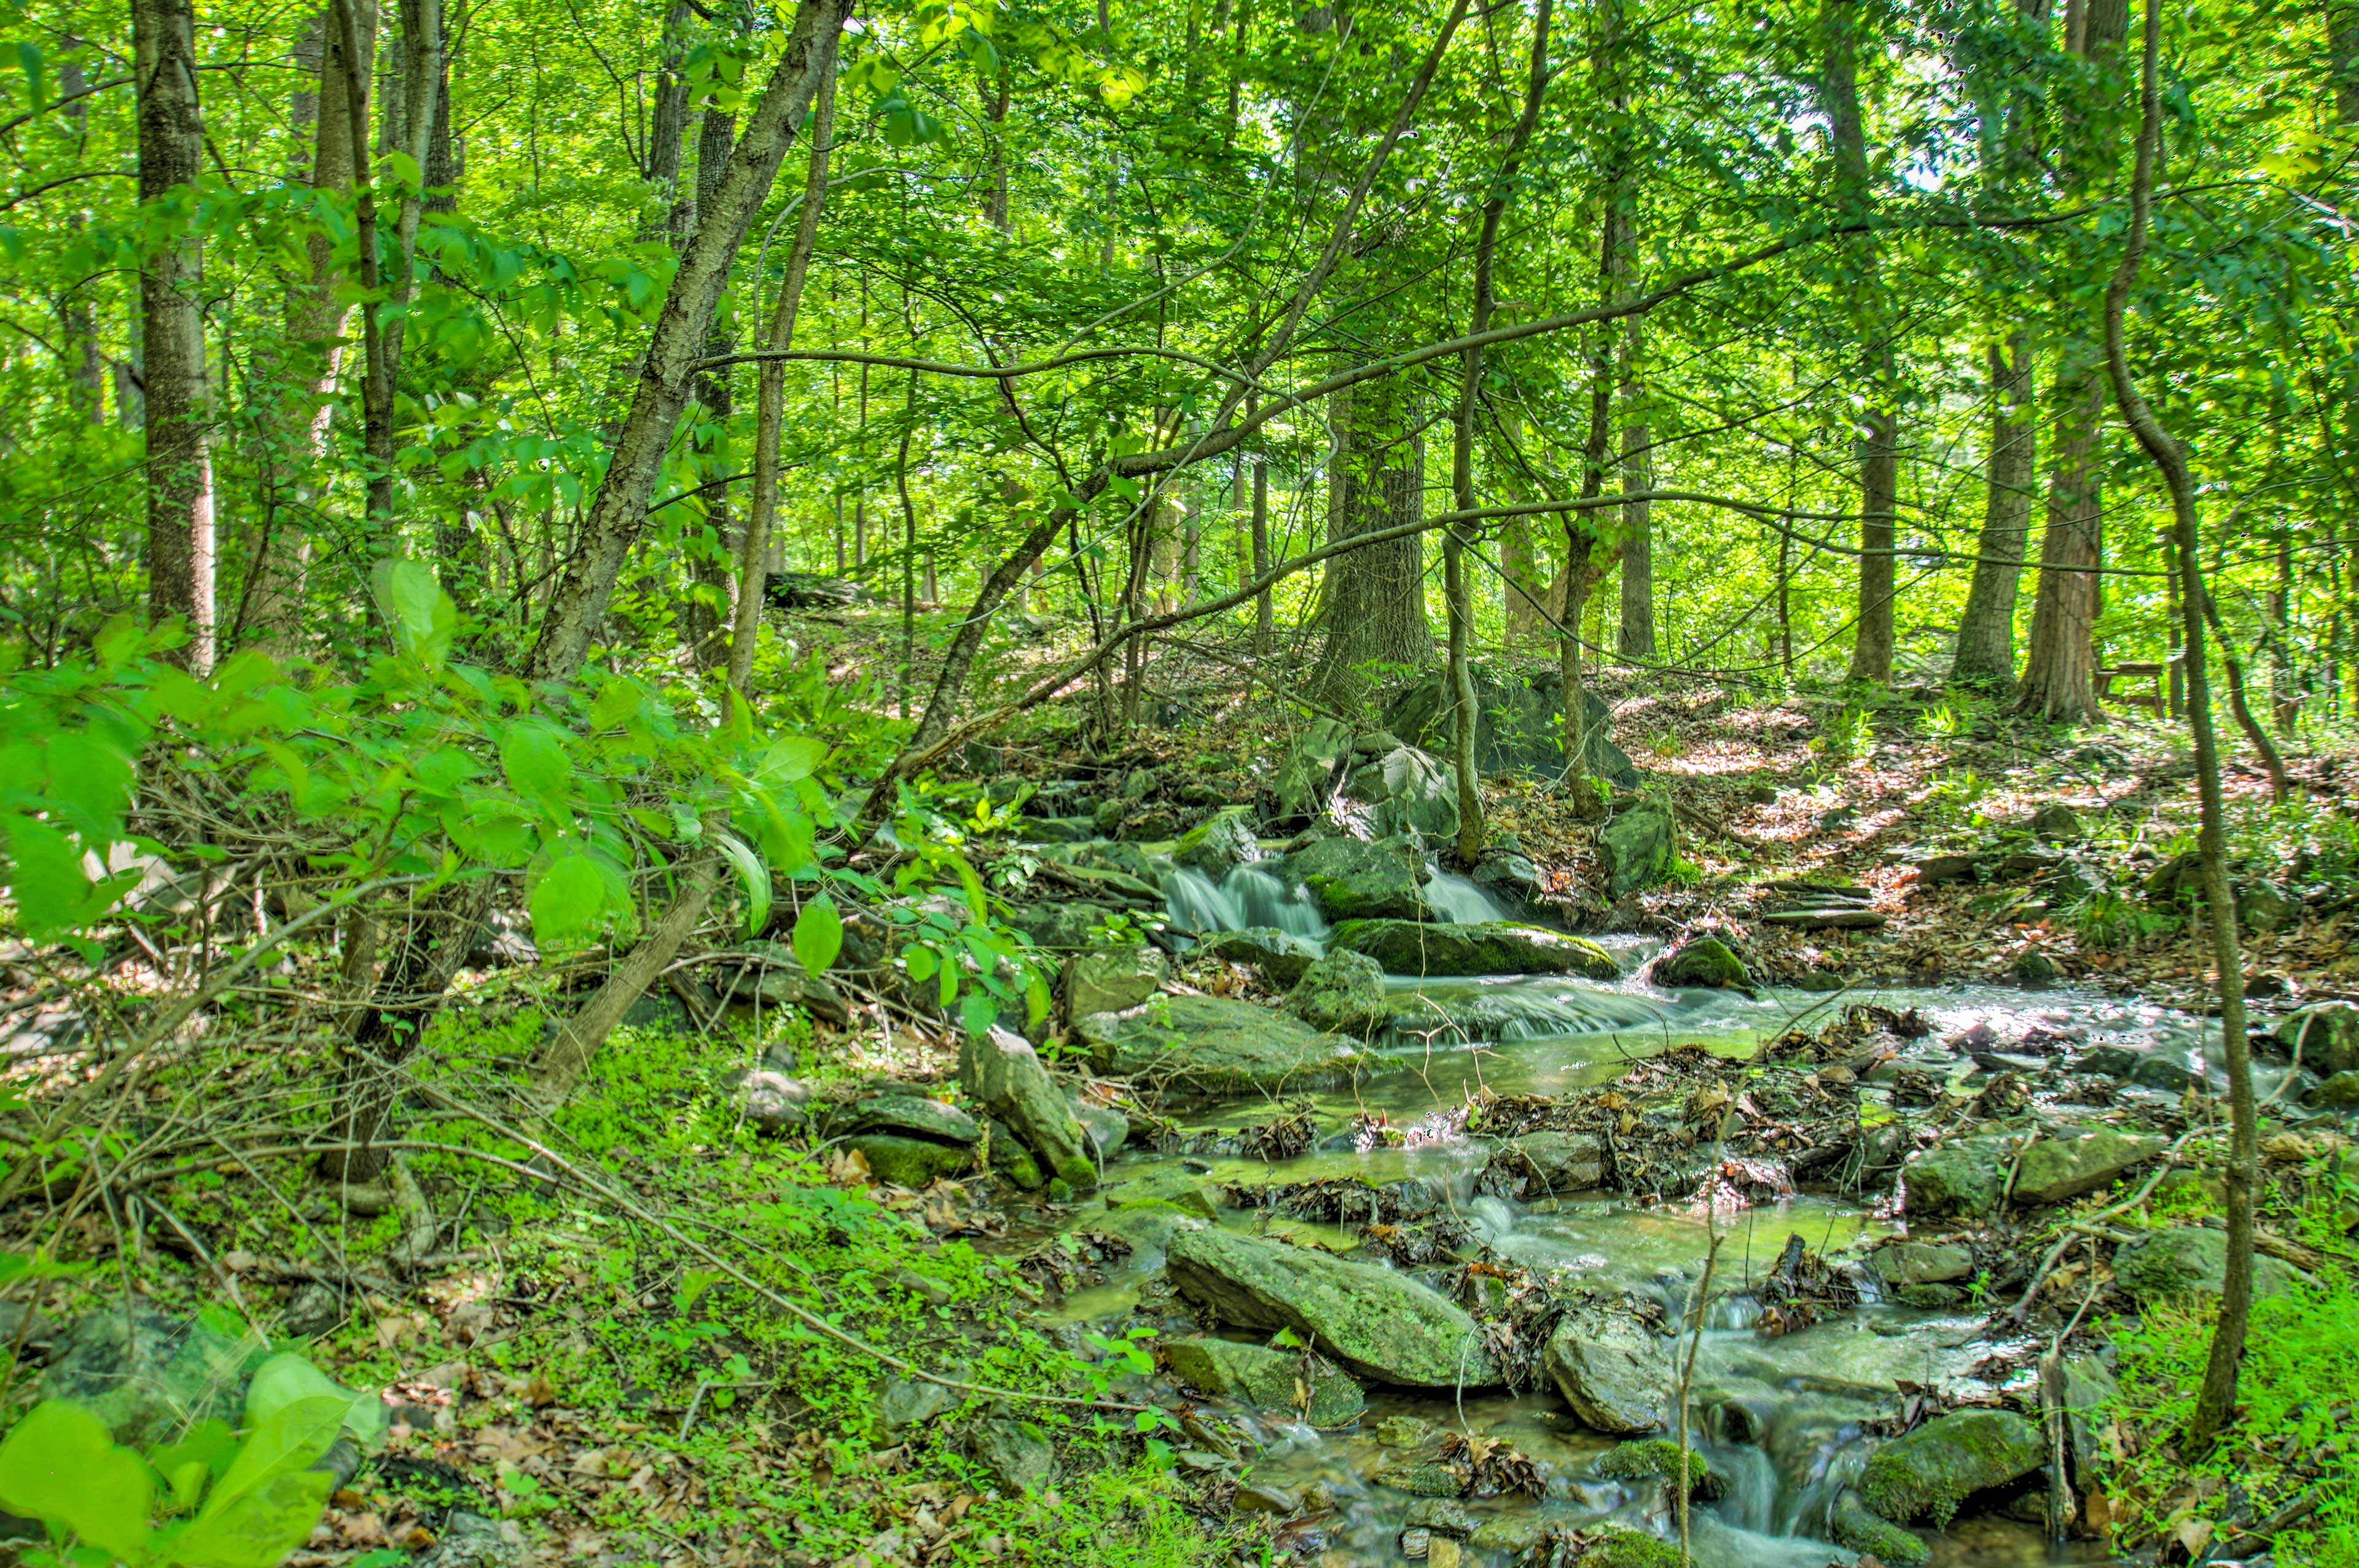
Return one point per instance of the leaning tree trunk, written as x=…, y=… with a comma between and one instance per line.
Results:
x=172, y=331
x=1985, y=651
x=707, y=614
x=1375, y=609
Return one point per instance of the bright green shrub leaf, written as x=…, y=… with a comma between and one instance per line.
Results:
x=46, y=876
x=61, y=1465
x=535, y=761
x=199, y=1457
x=819, y=934
x=256, y=1527
x=568, y=900
x=288, y=1378
x=752, y=875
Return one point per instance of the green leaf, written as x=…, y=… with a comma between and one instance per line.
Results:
x=46, y=876
x=566, y=901
x=199, y=1457
x=287, y=1378
x=533, y=758
x=752, y=875
x=979, y=1011
x=794, y=757
x=255, y=1527
x=420, y=612
x=36, y=75
x=921, y=961
x=89, y=780
x=60, y=1464
x=818, y=935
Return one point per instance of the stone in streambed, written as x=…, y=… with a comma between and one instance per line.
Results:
x=1927, y=1472
x=1175, y=1189
x=1220, y=842
x=1622, y=1548
x=2340, y=1092
x=1272, y=1379
x=2327, y=1033
x=911, y=1115
x=1412, y=791
x=911, y=1163
x=1923, y=1263
x=1350, y=880
x=1544, y=1164
x=1703, y=961
x=1343, y=993
x=1635, y=851
x=2189, y=1261
x=1281, y=956
x=1853, y=1525
x=1484, y=948
x=1216, y=1045
x=1004, y=1074
x=1113, y=979
x=1612, y=1370
x=2070, y=1162
x=1658, y=1459
x=1963, y=1176
x=1372, y=1320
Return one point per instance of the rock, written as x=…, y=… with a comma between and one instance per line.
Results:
x=1112, y=979
x=149, y=1377
x=1273, y=1379
x=2089, y=1389
x=1514, y=1534
x=1922, y=1262
x=1544, y=1164
x=1302, y=779
x=1216, y=1045
x=1485, y=948
x=1411, y=791
x=1173, y=1189
x=1265, y=1499
x=1004, y=1074
x=2340, y=1092
x=470, y=1541
x=2034, y=967
x=2189, y=1261
x=1833, y=919
x=1703, y=961
x=1623, y=1548
x=1222, y=840
x=1343, y=993
x=912, y=1116
x=1280, y=955
x=1950, y=868
x=1658, y=1460
x=1418, y=1477
x=1061, y=927
x=2168, y=1071
x=1634, y=849
x=768, y=974
x=1518, y=725
x=2327, y=1034
x=1963, y=1176
x=2068, y=1161
x=1015, y=1454
x=1510, y=878
x=314, y=1309
x=1063, y=829
x=910, y=1401
x=1108, y=1128
x=1853, y=1525
x=1404, y=1432
x=2179, y=878
x=1927, y=1472
x=1442, y=1516
x=2265, y=906
x=1013, y=1161
x=913, y=1163
x=2056, y=823
x=1372, y=1320
x=1351, y=880
x=2110, y=1061
x=1610, y=1369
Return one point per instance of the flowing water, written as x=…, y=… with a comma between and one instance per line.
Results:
x=1781, y=1418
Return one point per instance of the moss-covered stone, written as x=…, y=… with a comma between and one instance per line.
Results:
x=1658, y=1459
x=2189, y=1261
x=1222, y=840
x=2070, y=1162
x=1216, y=1045
x=2340, y=1092
x=1419, y=1478
x=1355, y=881
x=909, y=1161
x=1273, y=1379
x=1861, y=1531
x=1630, y=1549
x=1706, y=961
x=1928, y=1472
x=1343, y=992
x=1483, y=948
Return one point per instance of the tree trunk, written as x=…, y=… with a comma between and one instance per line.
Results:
x=1376, y=596
x=2343, y=57
x=1879, y=459
x=1263, y=608
x=667, y=129
x=77, y=319
x=1985, y=650
x=617, y=515
x=708, y=611
x=1635, y=638
x=172, y=332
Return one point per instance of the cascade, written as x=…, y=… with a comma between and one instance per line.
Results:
x=1247, y=896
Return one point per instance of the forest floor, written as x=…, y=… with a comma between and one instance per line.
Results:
x=611, y=1356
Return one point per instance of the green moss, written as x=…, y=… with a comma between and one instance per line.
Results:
x=1657, y=1458
x=1864, y=1533
x=1928, y=1472
x=1630, y=1549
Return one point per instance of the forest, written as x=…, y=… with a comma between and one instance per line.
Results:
x=1179, y=782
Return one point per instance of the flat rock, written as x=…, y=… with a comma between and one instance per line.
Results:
x=1963, y=1176
x=1109, y=979
x=1485, y=947
x=1343, y=993
x=1922, y=1262
x=1004, y=1074
x=1280, y=955
x=1544, y=1164
x=1842, y=918
x=1017, y=1453
x=1927, y=1472
x=2070, y=1162
x=1370, y=1320
x=1216, y=1045
x=1274, y=1379
x=1611, y=1369
x=1174, y=1189
x=772, y=1101
x=912, y=1116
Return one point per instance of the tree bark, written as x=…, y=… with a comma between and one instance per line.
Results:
x=617, y=514
x=1635, y=638
x=2343, y=57
x=2215, y=1404
x=668, y=130
x=172, y=331
x=77, y=319
x=1985, y=649
x=770, y=399
x=708, y=611
x=1376, y=596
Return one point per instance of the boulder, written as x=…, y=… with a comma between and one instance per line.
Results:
x=1343, y=993
x=772, y=1101
x=1927, y=1472
x=1634, y=849
x=1509, y=877
x=1543, y=1164
x=2189, y=1261
x=2265, y=906
x=1308, y=768
x=769, y=974
x=2171, y=1072
x=1108, y=1128
x=2327, y=1033
x=1660, y=1460
x=1703, y=961
x=1923, y=1263
x=1004, y=1074
x=1411, y=792
x=1963, y=1176
x=1611, y=1369
x=1172, y=1189
x=1216, y=1045
x=1853, y=1525
x=1065, y=926
x=1485, y=948
x=910, y=1116
x=1111, y=979
x=1280, y=955
x=2069, y=1162
x=2056, y=823
x=1016, y=1452
x=1274, y=1379
x=2340, y=1092
x=149, y=1377
x=1372, y=1320
x=1354, y=880
x=1518, y=725
x=913, y=1163
x=1222, y=840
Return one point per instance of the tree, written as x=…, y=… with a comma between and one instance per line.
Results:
x=1375, y=597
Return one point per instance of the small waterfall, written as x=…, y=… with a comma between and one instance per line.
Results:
x=1539, y=1008
x=1752, y=1500
x=1248, y=896
x=1458, y=902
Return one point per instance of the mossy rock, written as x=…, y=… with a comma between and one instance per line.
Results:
x=909, y=1161
x=1658, y=1459
x=2191, y=1260
x=1861, y=1531
x=1630, y=1549
x=1928, y=1472
x=1708, y=962
x=1273, y=1379
x=1480, y=947
x=1419, y=1478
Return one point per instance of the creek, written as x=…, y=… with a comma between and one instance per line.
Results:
x=1783, y=1419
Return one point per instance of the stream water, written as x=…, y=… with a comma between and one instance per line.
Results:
x=1780, y=1418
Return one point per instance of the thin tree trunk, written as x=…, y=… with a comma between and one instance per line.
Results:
x=617, y=515
x=2343, y=57
x=172, y=333
x=770, y=399
x=667, y=130
x=2216, y=1402
x=708, y=611
x=77, y=319
x=1985, y=650
x=1264, y=623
